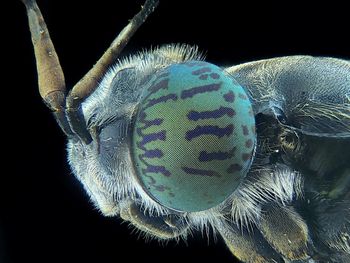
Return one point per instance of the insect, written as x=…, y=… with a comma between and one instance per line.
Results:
x=174, y=144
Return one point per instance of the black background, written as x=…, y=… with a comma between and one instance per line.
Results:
x=45, y=216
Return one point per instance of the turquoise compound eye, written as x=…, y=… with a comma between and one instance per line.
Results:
x=194, y=136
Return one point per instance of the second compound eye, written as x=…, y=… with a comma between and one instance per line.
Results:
x=194, y=136
x=111, y=138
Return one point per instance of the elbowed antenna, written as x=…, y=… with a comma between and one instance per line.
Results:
x=52, y=86
x=90, y=81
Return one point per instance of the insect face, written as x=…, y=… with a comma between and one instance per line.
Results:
x=167, y=142
x=193, y=138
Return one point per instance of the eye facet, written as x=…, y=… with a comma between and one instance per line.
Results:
x=194, y=136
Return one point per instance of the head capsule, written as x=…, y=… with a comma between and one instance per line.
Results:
x=194, y=136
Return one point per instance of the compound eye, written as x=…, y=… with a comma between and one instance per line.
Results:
x=194, y=136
